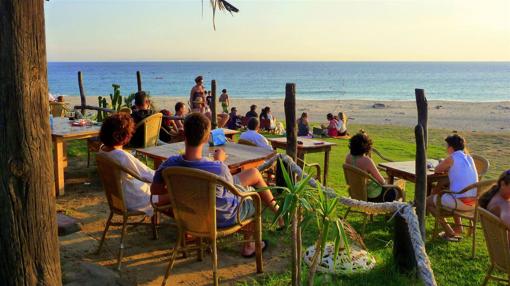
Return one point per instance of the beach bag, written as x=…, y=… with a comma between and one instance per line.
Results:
x=217, y=137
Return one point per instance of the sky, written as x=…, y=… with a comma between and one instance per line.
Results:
x=278, y=30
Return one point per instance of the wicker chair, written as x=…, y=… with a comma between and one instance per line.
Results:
x=109, y=172
x=192, y=194
x=150, y=126
x=357, y=180
x=58, y=109
x=482, y=165
x=496, y=238
x=441, y=212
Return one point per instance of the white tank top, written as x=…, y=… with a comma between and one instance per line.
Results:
x=462, y=174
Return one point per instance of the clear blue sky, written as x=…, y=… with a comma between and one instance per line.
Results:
x=341, y=30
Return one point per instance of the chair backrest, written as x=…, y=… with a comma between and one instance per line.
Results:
x=357, y=180
x=380, y=155
x=151, y=126
x=110, y=174
x=496, y=238
x=192, y=194
x=246, y=142
x=482, y=165
x=57, y=109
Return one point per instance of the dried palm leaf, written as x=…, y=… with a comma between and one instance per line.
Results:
x=220, y=5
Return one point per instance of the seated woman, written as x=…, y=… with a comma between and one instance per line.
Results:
x=116, y=131
x=330, y=129
x=303, y=126
x=341, y=124
x=462, y=172
x=360, y=146
x=497, y=200
x=168, y=127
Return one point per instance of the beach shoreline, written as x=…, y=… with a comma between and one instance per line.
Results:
x=454, y=115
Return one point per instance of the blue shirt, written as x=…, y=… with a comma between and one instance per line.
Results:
x=226, y=202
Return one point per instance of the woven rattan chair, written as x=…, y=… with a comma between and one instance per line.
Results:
x=109, y=172
x=150, y=126
x=482, y=165
x=440, y=211
x=357, y=180
x=496, y=238
x=193, y=197
x=58, y=109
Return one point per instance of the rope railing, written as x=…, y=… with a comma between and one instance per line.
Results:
x=406, y=210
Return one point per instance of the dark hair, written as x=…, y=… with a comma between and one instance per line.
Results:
x=456, y=142
x=117, y=129
x=304, y=114
x=224, y=90
x=253, y=123
x=232, y=109
x=196, y=129
x=199, y=78
x=487, y=197
x=140, y=98
x=253, y=107
x=360, y=144
x=60, y=98
x=329, y=116
x=178, y=106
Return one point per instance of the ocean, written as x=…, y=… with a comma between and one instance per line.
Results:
x=454, y=81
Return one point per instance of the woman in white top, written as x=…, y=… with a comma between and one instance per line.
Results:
x=116, y=131
x=461, y=173
x=341, y=124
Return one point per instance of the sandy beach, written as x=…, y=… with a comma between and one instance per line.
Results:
x=462, y=116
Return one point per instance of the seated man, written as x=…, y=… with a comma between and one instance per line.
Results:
x=180, y=110
x=252, y=134
x=142, y=110
x=196, y=133
x=252, y=112
x=234, y=121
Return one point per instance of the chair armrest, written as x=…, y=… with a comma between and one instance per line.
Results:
x=387, y=188
x=159, y=208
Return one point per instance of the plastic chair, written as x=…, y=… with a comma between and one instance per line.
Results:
x=357, y=180
x=109, y=172
x=496, y=239
x=192, y=195
x=440, y=211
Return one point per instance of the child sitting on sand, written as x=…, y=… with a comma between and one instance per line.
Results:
x=497, y=200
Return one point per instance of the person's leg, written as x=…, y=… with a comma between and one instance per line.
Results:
x=449, y=202
x=458, y=225
x=249, y=244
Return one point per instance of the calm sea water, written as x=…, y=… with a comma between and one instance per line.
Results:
x=466, y=81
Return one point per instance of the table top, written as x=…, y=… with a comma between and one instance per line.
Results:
x=62, y=128
x=237, y=154
x=307, y=143
x=408, y=168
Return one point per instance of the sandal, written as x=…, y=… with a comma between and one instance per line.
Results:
x=446, y=237
x=266, y=244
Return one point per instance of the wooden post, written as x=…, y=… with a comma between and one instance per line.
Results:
x=422, y=106
x=290, y=120
x=214, y=119
x=83, y=98
x=139, y=80
x=403, y=253
x=420, y=192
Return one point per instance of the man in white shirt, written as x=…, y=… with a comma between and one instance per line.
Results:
x=253, y=135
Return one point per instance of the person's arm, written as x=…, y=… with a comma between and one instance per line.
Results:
x=219, y=155
x=505, y=216
x=138, y=168
x=444, y=165
x=158, y=186
x=372, y=170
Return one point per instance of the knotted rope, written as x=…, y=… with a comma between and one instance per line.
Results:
x=406, y=210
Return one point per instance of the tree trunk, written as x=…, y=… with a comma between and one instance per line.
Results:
x=28, y=237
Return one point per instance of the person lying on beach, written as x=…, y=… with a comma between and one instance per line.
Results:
x=196, y=132
x=141, y=111
x=234, y=121
x=360, y=146
x=252, y=112
x=303, y=126
x=497, y=200
x=462, y=172
x=115, y=132
x=330, y=129
x=224, y=100
x=341, y=124
x=197, y=91
x=252, y=134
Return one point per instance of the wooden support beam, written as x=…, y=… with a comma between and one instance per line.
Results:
x=83, y=98
x=290, y=120
x=422, y=106
x=139, y=80
x=420, y=192
x=214, y=119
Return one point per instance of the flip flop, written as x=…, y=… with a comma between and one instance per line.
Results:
x=444, y=236
x=266, y=244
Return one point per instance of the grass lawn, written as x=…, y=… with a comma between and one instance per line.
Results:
x=451, y=262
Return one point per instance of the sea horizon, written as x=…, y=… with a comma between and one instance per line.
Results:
x=465, y=81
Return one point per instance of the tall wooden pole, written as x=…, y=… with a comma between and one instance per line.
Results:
x=83, y=98
x=422, y=106
x=139, y=80
x=420, y=192
x=29, y=249
x=214, y=119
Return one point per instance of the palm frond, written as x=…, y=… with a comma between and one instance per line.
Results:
x=221, y=5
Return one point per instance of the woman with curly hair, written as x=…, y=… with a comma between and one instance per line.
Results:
x=360, y=146
x=497, y=200
x=116, y=131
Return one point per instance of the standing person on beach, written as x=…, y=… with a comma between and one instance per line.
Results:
x=197, y=91
x=252, y=112
x=224, y=100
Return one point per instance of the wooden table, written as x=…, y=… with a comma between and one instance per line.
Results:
x=229, y=133
x=307, y=146
x=406, y=170
x=64, y=131
x=239, y=157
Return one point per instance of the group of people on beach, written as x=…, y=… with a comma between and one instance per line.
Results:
x=335, y=127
